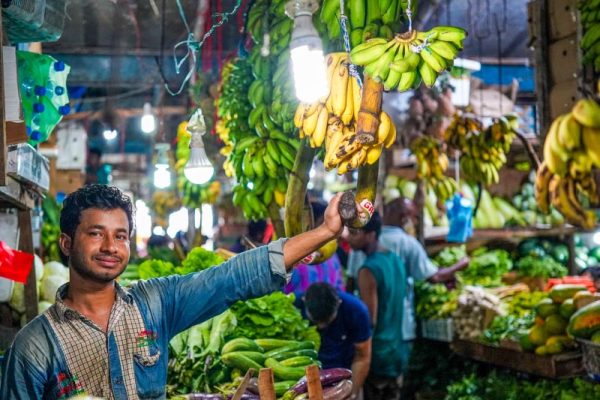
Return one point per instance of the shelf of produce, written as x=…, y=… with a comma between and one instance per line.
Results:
x=563, y=365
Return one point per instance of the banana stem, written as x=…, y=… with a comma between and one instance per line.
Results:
x=366, y=191
x=370, y=108
x=276, y=220
x=296, y=220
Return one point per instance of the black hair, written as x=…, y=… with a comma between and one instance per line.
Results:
x=96, y=151
x=318, y=210
x=593, y=270
x=321, y=301
x=256, y=229
x=92, y=196
x=374, y=225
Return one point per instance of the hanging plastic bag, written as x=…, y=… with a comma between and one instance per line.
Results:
x=43, y=90
x=460, y=215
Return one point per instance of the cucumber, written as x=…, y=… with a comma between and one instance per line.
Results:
x=283, y=386
x=255, y=356
x=302, y=352
x=236, y=360
x=284, y=373
x=271, y=344
x=241, y=344
x=291, y=347
x=297, y=361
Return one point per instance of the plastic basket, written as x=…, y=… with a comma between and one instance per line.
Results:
x=591, y=358
x=438, y=329
x=34, y=20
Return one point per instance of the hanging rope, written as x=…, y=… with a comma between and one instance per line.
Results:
x=346, y=40
x=193, y=46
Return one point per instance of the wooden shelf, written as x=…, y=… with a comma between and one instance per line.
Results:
x=563, y=365
x=16, y=195
x=508, y=233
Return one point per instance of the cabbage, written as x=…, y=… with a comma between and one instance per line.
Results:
x=39, y=267
x=50, y=285
x=17, y=300
x=43, y=306
x=56, y=268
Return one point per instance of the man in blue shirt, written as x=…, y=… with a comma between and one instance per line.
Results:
x=105, y=341
x=345, y=328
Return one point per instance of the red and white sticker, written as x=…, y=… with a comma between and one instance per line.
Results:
x=310, y=258
x=368, y=210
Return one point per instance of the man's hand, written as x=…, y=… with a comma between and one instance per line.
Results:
x=463, y=263
x=332, y=219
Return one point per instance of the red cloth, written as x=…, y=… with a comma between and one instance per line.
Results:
x=15, y=265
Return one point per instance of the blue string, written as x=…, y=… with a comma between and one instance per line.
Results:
x=346, y=40
x=193, y=46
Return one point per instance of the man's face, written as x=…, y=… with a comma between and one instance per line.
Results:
x=357, y=238
x=99, y=250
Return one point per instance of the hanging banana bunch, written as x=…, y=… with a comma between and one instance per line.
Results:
x=432, y=163
x=590, y=42
x=333, y=121
x=410, y=58
x=566, y=178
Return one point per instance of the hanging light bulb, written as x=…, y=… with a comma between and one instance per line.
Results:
x=110, y=134
x=148, y=122
x=162, y=175
x=306, y=49
x=198, y=169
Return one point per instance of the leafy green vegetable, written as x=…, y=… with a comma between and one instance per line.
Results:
x=272, y=316
x=486, y=267
x=165, y=254
x=155, y=268
x=544, y=267
x=434, y=300
x=199, y=259
x=507, y=327
x=450, y=256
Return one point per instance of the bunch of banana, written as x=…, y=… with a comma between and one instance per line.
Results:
x=368, y=18
x=333, y=121
x=571, y=152
x=432, y=163
x=483, y=151
x=409, y=58
x=164, y=203
x=590, y=42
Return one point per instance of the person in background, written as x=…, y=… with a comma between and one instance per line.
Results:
x=96, y=171
x=345, y=328
x=383, y=288
x=594, y=274
x=256, y=233
x=329, y=271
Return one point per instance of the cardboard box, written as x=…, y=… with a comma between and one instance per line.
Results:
x=26, y=164
x=562, y=98
x=71, y=140
x=562, y=60
x=562, y=18
x=67, y=181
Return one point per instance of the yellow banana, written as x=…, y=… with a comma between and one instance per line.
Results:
x=591, y=143
x=321, y=128
x=569, y=133
x=555, y=156
x=373, y=153
x=542, y=184
x=299, y=115
x=310, y=124
x=391, y=137
x=348, y=113
x=384, y=127
x=339, y=84
x=587, y=113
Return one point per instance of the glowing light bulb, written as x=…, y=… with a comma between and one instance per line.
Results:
x=110, y=134
x=148, y=122
x=198, y=169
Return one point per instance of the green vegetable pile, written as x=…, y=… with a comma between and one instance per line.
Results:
x=272, y=316
x=449, y=256
x=50, y=229
x=434, y=300
x=503, y=386
x=486, y=268
x=540, y=267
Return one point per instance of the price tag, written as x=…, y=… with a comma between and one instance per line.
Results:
x=367, y=211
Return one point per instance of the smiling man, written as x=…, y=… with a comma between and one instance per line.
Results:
x=102, y=340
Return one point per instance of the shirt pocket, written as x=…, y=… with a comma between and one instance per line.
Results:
x=150, y=373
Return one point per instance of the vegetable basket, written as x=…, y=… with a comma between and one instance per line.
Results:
x=591, y=358
x=438, y=329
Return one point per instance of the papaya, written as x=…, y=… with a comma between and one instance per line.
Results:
x=582, y=299
x=538, y=335
x=585, y=321
x=555, y=324
x=524, y=341
x=541, y=351
x=567, y=308
x=545, y=308
x=564, y=291
x=554, y=348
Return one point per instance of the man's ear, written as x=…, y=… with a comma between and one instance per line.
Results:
x=64, y=241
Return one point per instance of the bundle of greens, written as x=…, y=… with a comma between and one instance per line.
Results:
x=272, y=316
x=434, y=300
x=449, y=256
x=199, y=259
x=486, y=268
x=542, y=267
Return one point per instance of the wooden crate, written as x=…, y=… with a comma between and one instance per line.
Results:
x=563, y=365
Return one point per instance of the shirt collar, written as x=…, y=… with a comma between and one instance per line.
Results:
x=64, y=312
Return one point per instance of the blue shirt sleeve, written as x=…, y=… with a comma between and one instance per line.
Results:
x=184, y=301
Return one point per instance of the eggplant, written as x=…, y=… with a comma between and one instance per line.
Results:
x=253, y=386
x=340, y=391
x=328, y=377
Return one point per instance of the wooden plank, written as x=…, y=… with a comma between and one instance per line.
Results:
x=538, y=15
x=3, y=146
x=557, y=366
x=14, y=195
x=26, y=245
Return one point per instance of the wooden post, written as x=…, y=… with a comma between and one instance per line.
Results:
x=313, y=380
x=538, y=11
x=266, y=384
x=26, y=245
x=3, y=146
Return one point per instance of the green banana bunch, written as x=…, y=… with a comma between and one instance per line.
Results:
x=410, y=58
x=590, y=42
x=368, y=18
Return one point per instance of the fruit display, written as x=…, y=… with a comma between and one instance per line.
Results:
x=368, y=19
x=482, y=151
x=585, y=322
x=566, y=177
x=410, y=58
x=432, y=163
x=434, y=300
x=162, y=204
x=590, y=42
x=541, y=258
x=333, y=121
x=429, y=113
x=525, y=202
x=486, y=267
